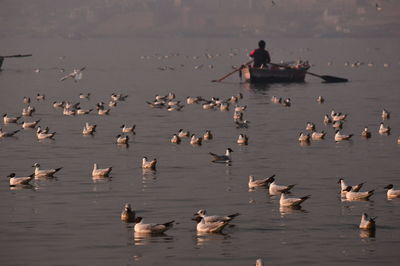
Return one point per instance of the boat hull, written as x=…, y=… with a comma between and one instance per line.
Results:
x=273, y=75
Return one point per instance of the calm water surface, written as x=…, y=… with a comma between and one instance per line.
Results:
x=74, y=220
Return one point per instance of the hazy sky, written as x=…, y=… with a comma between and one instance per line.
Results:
x=127, y=18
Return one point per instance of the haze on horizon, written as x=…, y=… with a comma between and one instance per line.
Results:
x=75, y=19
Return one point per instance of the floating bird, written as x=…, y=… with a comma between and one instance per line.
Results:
x=275, y=189
x=80, y=111
x=174, y=108
x=291, y=202
x=237, y=116
x=175, y=139
x=287, y=102
x=142, y=228
x=173, y=103
x=126, y=129
x=103, y=111
x=26, y=100
x=10, y=119
x=259, y=182
x=40, y=130
x=367, y=223
x=118, y=97
x=305, y=138
x=68, y=111
x=40, y=97
x=32, y=124
x=337, y=125
x=14, y=181
x=222, y=158
x=182, y=133
x=41, y=135
x=7, y=134
x=318, y=135
x=195, y=140
x=149, y=164
x=122, y=139
x=208, y=135
x=112, y=104
x=128, y=215
x=240, y=108
x=365, y=133
x=97, y=172
x=28, y=111
x=224, y=107
x=383, y=130
x=310, y=126
x=276, y=100
x=242, y=124
x=320, y=99
x=385, y=114
x=340, y=137
x=215, y=218
x=84, y=96
x=352, y=195
x=327, y=119
x=259, y=262
x=209, y=227
x=58, y=104
x=76, y=74
x=193, y=100
x=242, y=139
x=45, y=172
x=338, y=116
x=392, y=193
x=343, y=186
x=89, y=129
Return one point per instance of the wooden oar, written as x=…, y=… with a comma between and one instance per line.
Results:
x=329, y=79
x=227, y=75
x=9, y=56
x=16, y=55
x=326, y=78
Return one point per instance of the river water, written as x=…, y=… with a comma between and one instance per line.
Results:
x=74, y=220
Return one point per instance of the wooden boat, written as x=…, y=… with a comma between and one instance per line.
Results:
x=287, y=72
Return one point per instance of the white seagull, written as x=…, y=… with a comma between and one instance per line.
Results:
x=343, y=186
x=149, y=164
x=352, y=195
x=222, y=158
x=14, y=181
x=128, y=215
x=367, y=223
x=392, y=193
x=259, y=182
x=209, y=227
x=142, y=228
x=275, y=189
x=76, y=74
x=215, y=218
x=100, y=172
x=292, y=202
x=45, y=172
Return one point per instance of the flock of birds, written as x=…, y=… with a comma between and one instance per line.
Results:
x=204, y=223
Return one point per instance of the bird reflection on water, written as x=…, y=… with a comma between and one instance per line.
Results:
x=148, y=239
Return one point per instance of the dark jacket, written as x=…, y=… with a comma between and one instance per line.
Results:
x=261, y=57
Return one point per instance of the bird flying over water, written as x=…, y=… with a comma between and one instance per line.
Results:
x=76, y=74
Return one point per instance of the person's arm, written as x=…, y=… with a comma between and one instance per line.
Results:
x=268, y=58
x=252, y=53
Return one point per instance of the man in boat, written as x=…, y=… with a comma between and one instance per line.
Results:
x=260, y=55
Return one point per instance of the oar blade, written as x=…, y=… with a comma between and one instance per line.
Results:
x=333, y=79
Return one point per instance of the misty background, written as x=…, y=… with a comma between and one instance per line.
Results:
x=76, y=19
